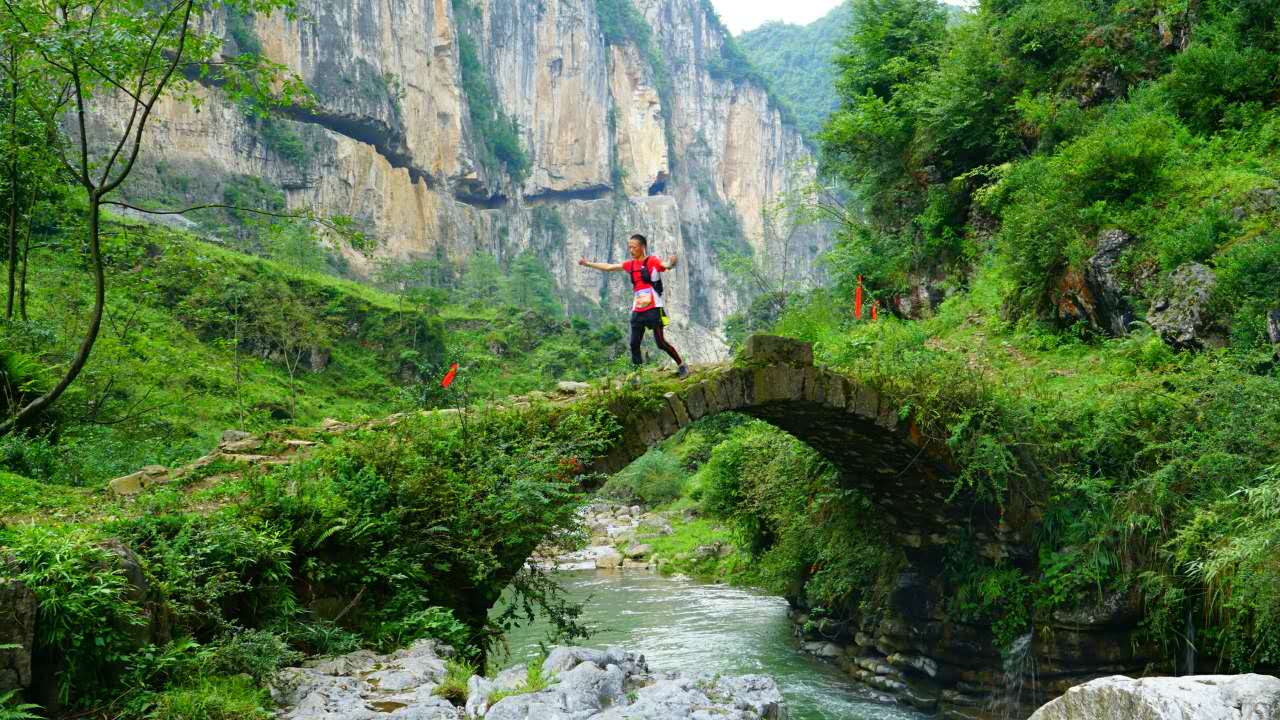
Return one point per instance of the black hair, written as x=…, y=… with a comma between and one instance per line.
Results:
x=641, y=239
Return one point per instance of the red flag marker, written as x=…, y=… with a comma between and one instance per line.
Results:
x=448, y=377
x=874, y=306
x=857, y=300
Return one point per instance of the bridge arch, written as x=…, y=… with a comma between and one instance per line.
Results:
x=909, y=477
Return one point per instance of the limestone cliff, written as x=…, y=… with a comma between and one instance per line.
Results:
x=390, y=143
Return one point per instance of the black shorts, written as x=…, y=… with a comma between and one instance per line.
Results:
x=648, y=318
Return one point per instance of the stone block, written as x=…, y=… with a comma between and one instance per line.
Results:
x=774, y=350
x=776, y=383
x=695, y=401
x=815, y=382
x=837, y=392
x=865, y=402
x=678, y=409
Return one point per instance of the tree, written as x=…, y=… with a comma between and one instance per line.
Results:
x=531, y=287
x=482, y=279
x=119, y=59
x=869, y=141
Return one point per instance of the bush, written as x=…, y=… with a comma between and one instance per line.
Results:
x=219, y=698
x=84, y=613
x=453, y=687
x=654, y=479
x=256, y=653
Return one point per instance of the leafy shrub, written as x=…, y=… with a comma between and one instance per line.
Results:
x=256, y=653
x=217, y=698
x=12, y=709
x=654, y=479
x=453, y=687
x=433, y=622
x=83, y=608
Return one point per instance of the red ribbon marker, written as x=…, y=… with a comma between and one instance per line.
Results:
x=857, y=300
x=448, y=377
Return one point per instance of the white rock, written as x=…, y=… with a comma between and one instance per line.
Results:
x=1204, y=697
x=608, y=559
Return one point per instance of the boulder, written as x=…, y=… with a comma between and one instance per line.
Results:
x=608, y=559
x=1096, y=296
x=230, y=436
x=772, y=350
x=139, y=481
x=572, y=388
x=17, y=629
x=1181, y=316
x=640, y=552
x=924, y=296
x=1206, y=697
x=1273, y=328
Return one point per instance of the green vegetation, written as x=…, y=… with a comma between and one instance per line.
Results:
x=535, y=680
x=496, y=133
x=405, y=532
x=1040, y=121
x=799, y=61
x=453, y=687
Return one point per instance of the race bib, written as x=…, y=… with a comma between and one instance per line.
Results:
x=644, y=300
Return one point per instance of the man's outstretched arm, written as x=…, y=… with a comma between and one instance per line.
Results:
x=672, y=261
x=604, y=267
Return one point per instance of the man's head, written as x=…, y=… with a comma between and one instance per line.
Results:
x=638, y=246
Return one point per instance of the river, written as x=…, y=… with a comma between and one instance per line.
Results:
x=686, y=626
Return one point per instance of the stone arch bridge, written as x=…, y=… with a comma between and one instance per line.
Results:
x=909, y=649
x=910, y=477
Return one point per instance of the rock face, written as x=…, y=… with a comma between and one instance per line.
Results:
x=17, y=629
x=1182, y=316
x=585, y=684
x=1273, y=328
x=1096, y=296
x=390, y=143
x=1208, y=697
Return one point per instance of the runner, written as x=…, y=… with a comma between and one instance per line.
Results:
x=647, y=309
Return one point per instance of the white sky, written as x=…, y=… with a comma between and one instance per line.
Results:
x=743, y=15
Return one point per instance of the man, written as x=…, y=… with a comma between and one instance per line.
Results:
x=646, y=306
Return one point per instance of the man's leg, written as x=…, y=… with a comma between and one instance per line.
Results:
x=637, y=336
x=660, y=335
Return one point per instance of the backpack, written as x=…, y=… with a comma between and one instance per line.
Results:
x=645, y=276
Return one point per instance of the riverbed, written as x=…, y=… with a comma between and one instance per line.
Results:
x=689, y=627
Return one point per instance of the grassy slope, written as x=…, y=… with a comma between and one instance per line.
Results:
x=164, y=371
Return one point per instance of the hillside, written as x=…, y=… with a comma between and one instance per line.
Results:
x=797, y=59
x=200, y=339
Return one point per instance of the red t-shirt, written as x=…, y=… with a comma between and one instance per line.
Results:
x=646, y=298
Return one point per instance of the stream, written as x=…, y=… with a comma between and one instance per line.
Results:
x=686, y=626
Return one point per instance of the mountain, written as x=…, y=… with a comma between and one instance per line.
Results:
x=447, y=130
x=796, y=59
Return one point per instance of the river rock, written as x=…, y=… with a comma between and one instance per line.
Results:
x=1206, y=697
x=585, y=684
x=1182, y=316
x=640, y=552
x=608, y=559
x=401, y=689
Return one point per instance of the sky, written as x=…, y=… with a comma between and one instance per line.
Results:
x=743, y=15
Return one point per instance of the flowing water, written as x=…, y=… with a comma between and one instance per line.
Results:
x=690, y=627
